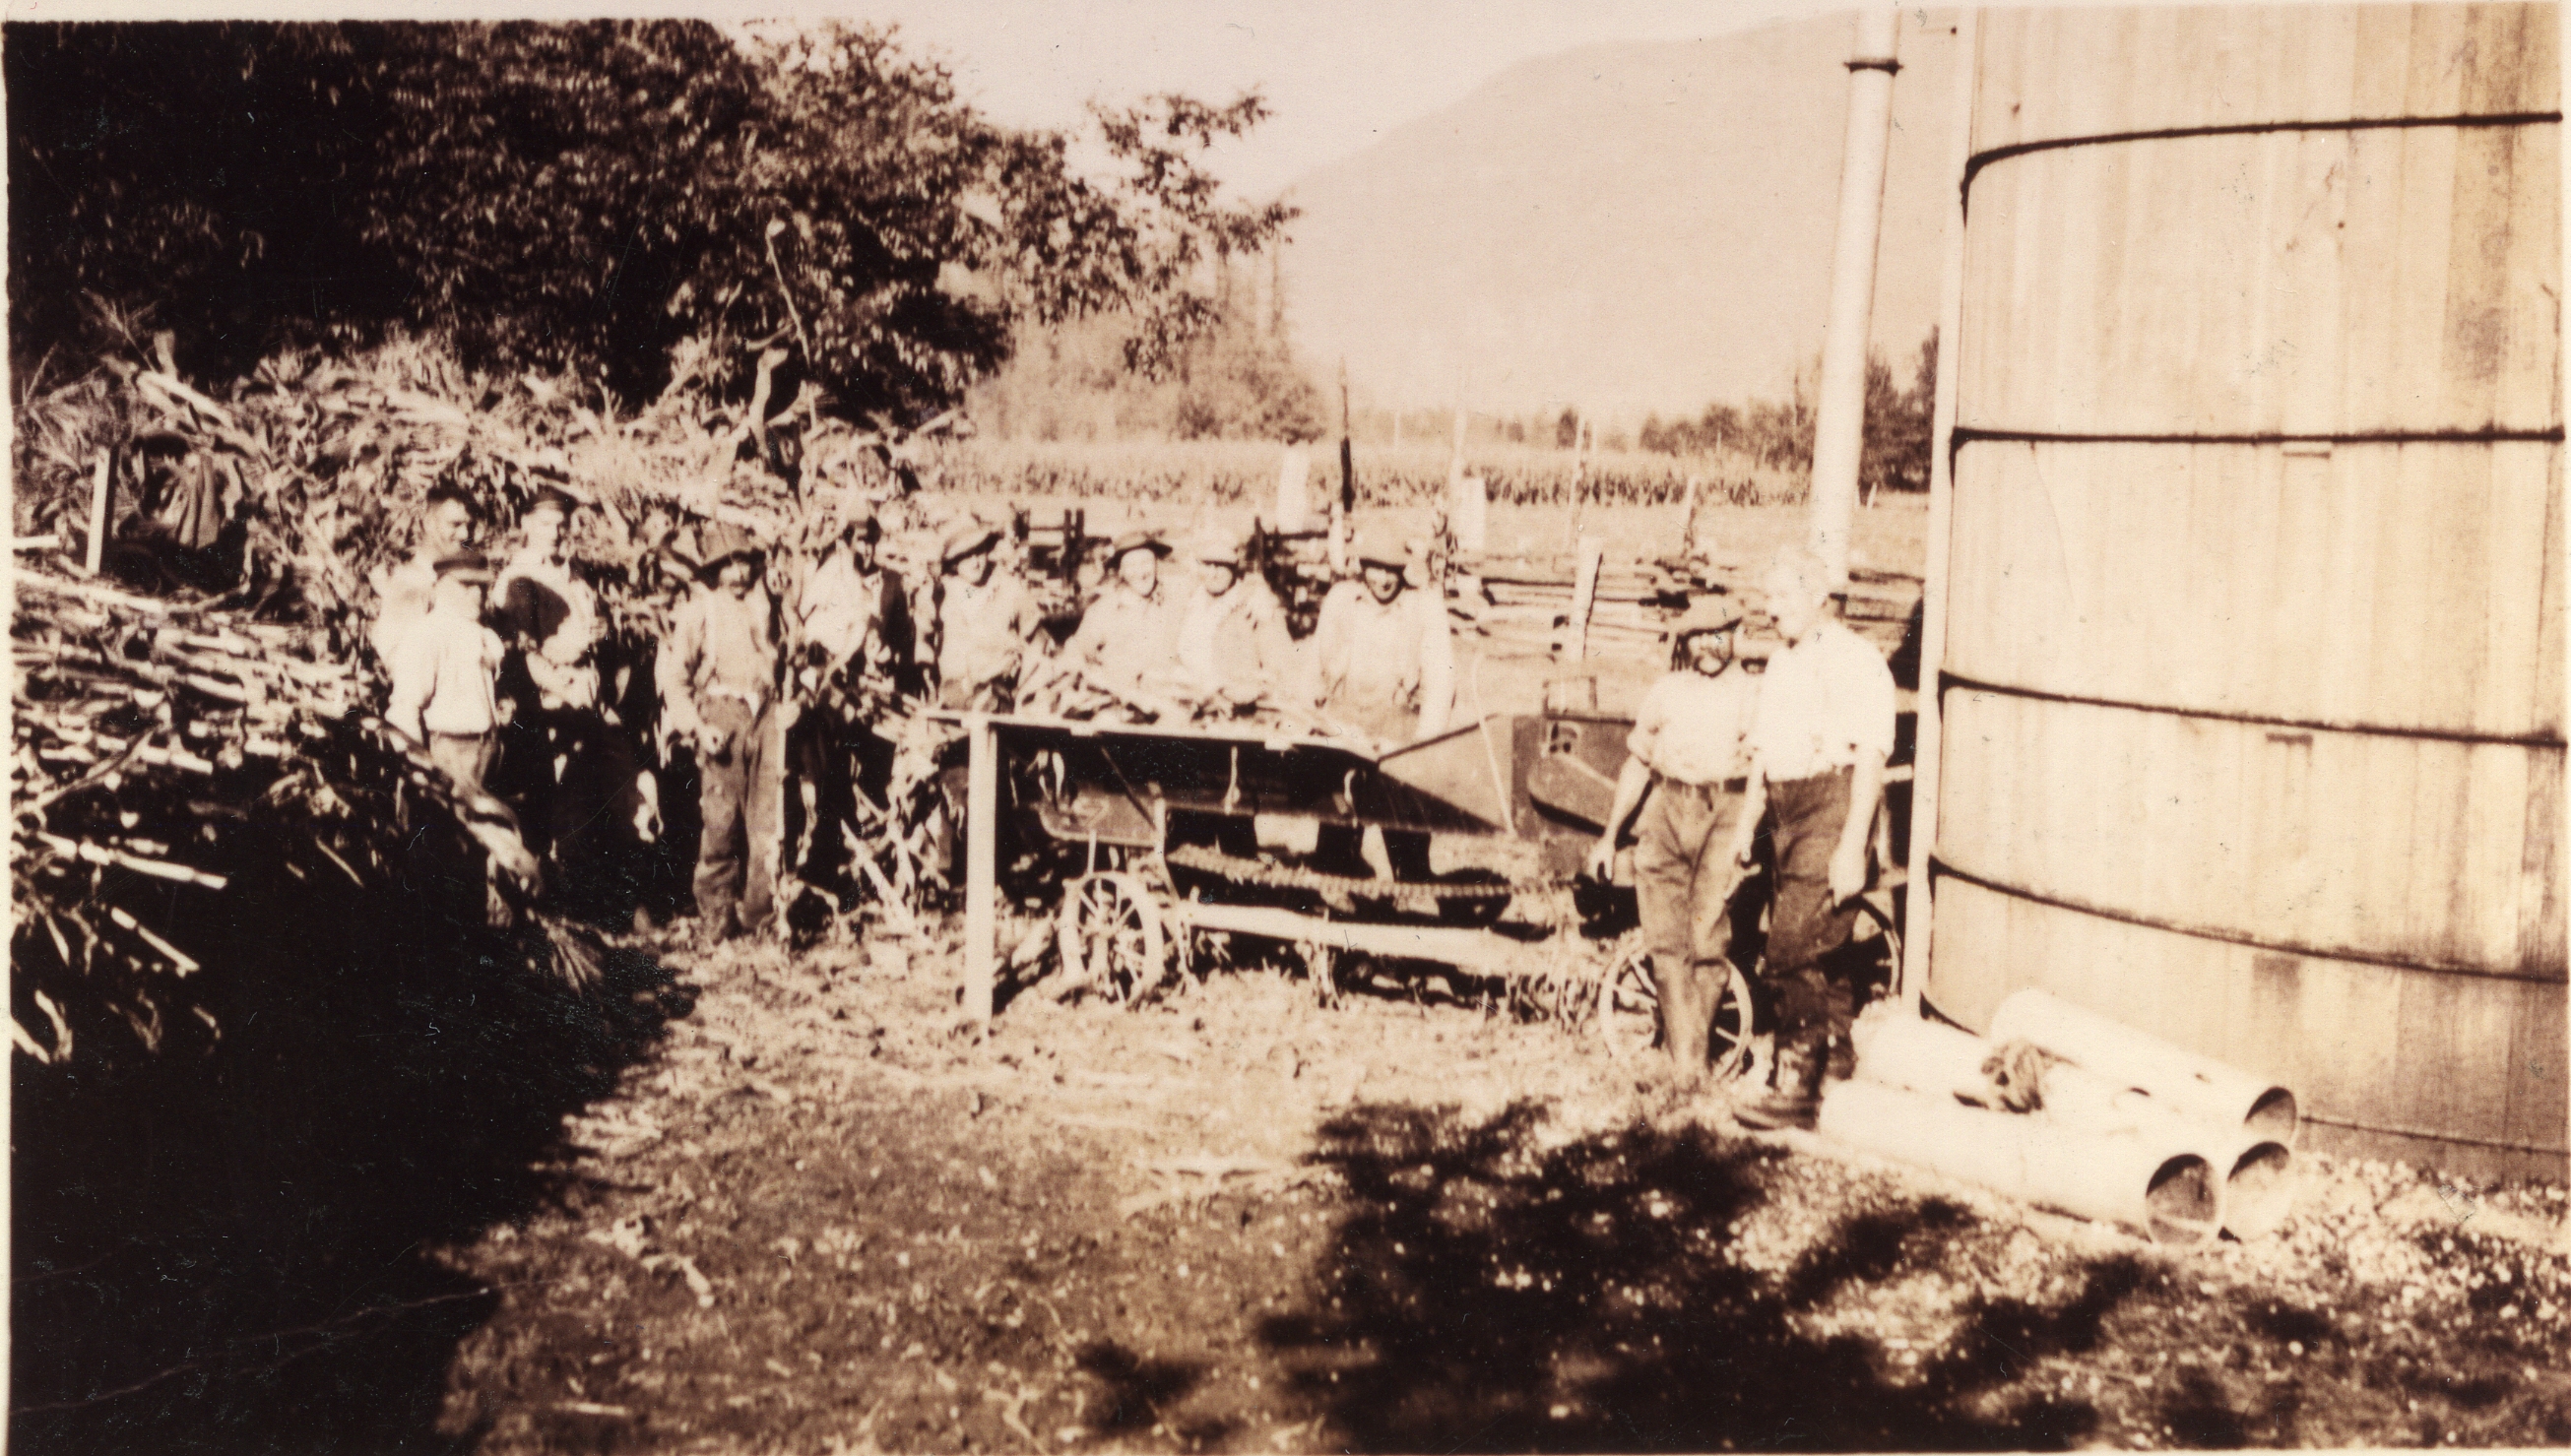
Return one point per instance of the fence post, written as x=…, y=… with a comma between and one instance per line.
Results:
x=981, y=866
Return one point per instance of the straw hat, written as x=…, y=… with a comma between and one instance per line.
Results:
x=1707, y=612
x=1143, y=539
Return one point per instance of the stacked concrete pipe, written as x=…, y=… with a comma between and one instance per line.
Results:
x=2127, y=1129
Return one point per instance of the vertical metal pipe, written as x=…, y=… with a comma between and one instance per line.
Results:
x=1917, y=914
x=1839, y=434
x=981, y=866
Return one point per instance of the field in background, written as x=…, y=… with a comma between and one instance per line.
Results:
x=1245, y=471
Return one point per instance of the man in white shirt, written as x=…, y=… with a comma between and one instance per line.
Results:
x=1824, y=731
x=1689, y=754
x=443, y=672
x=402, y=592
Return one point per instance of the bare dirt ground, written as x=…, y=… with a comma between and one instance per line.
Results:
x=823, y=1217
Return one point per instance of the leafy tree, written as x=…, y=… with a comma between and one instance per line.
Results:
x=587, y=196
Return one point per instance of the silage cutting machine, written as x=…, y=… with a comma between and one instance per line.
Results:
x=1177, y=851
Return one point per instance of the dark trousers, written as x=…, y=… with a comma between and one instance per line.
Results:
x=1683, y=881
x=1341, y=849
x=739, y=794
x=1805, y=926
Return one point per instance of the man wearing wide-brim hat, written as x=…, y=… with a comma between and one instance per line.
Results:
x=717, y=678
x=987, y=620
x=1128, y=639
x=1687, y=762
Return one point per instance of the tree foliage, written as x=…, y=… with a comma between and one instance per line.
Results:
x=1778, y=434
x=586, y=197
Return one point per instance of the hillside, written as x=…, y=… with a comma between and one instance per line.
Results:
x=1629, y=227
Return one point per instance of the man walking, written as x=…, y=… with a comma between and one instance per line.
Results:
x=1685, y=767
x=717, y=673
x=1817, y=751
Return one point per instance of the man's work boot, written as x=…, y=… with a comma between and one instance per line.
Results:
x=1795, y=1100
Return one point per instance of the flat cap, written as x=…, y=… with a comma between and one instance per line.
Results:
x=965, y=538
x=469, y=564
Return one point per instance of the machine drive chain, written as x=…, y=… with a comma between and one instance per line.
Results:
x=1409, y=895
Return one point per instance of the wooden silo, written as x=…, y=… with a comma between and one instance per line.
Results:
x=2252, y=682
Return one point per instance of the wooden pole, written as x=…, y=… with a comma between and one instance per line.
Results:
x=1839, y=435
x=1584, y=595
x=101, y=492
x=1345, y=502
x=1918, y=912
x=981, y=866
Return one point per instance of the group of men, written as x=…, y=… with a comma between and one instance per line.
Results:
x=758, y=686
x=1714, y=756
x=773, y=673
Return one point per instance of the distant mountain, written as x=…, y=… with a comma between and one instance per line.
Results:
x=1631, y=227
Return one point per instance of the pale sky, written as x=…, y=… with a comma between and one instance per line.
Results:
x=1337, y=72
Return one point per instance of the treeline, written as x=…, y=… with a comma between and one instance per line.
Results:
x=597, y=199
x=1778, y=433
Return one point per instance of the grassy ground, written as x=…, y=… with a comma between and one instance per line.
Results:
x=825, y=1219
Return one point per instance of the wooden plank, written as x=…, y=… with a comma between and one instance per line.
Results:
x=2158, y=817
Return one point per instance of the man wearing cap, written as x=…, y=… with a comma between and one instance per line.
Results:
x=717, y=673
x=1383, y=665
x=850, y=617
x=851, y=648
x=1685, y=767
x=1233, y=649
x=986, y=619
x=1817, y=751
x=561, y=757
x=443, y=674
x=1384, y=660
x=402, y=592
x=1129, y=637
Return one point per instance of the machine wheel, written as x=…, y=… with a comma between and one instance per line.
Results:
x=1629, y=1013
x=1111, y=936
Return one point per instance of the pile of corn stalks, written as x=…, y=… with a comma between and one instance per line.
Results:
x=164, y=748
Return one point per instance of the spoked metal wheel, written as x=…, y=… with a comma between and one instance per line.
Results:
x=1110, y=937
x=1629, y=1013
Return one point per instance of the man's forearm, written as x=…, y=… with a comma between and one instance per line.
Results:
x=1865, y=795
x=1631, y=783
